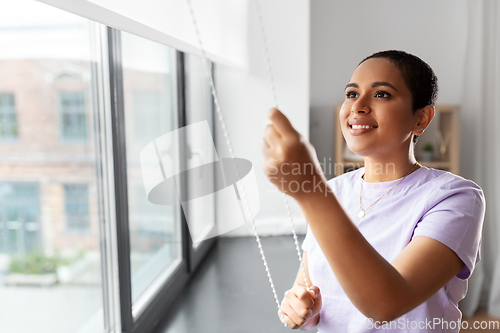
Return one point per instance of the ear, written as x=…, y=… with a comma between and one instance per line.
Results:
x=425, y=116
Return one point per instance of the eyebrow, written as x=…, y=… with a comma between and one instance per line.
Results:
x=374, y=84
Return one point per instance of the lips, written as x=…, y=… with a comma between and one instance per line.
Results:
x=358, y=123
x=360, y=126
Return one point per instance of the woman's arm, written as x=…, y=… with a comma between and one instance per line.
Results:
x=299, y=280
x=381, y=290
x=298, y=300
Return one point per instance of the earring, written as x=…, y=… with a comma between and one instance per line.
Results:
x=421, y=129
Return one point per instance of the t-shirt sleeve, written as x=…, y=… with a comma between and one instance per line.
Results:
x=454, y=216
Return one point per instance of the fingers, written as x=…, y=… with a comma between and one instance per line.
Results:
x=316, y=295
x=303, y=295
x=280, y=122
x=288, y=322
x=271, y=136
x=315, y=292
x=264, y=146
x=297, y=306
x=291, y=318
x=299, y=309
x=269, y=163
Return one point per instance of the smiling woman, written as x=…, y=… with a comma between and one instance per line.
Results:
x=401, y=91
x=387, y=249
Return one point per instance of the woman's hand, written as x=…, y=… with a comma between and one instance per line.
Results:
x=290, y=161
x=300, y=308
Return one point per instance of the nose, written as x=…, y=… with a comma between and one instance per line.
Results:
x=361, y=106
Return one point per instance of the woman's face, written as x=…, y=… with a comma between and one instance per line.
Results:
x=377, y=117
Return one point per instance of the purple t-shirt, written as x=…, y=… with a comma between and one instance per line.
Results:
x=430, y=203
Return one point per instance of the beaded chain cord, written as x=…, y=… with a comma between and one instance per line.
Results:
x=208, y=66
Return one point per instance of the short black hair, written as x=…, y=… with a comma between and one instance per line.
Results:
x=417, y=74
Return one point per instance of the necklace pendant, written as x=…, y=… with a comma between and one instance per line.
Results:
x=361, y=213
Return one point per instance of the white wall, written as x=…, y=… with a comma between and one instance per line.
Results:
x=345, y=32
x=246, y=97
x=222, y=23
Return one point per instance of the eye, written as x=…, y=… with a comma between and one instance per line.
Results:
x=382, y=94
x=351, y=94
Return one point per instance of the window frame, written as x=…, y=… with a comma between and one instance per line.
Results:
x=103, y=109
x=105, y=176
x=196, y=255
x=156, y=309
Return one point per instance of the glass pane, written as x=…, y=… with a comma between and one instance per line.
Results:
x=149, y=80
x=50, y=278
x=73, y=124
x=8, y=117
x=76, y=198
x=199, y=108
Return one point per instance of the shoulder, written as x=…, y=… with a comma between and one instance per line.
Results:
x=453, y=214
x=445, y=191
x=347, y=179
x=444, y=183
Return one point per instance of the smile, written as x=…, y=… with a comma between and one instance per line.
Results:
x=362, y=127
x=356, y=130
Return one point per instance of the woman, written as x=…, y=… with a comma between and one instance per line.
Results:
x=389, y=246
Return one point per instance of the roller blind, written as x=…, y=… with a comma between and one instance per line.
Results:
x=222, y=23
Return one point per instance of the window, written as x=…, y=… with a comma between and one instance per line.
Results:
x=8, y=117
x=76, y=200
x=19, y=222
x=73, y=122
x=46, y=272
x=150, y=108
x=146, y=106
x=118, y=258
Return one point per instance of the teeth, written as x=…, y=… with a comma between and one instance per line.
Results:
x=361, y=126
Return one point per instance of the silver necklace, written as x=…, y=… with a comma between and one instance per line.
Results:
x=362, y=212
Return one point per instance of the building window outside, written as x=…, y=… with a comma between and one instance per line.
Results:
x=76, y=201
x=73, y=122
x=19, y=224
x=8, y=117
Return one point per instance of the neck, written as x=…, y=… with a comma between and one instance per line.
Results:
x=387, y=169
